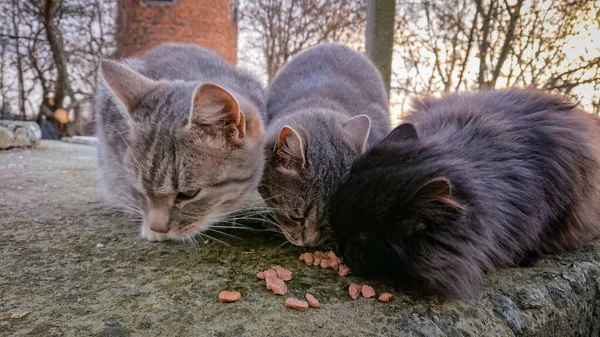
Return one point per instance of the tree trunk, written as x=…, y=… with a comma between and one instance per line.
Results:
x=19, y=56
x=381, y=16
x=54, y=38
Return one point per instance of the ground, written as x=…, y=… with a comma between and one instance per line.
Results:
x=56, y=281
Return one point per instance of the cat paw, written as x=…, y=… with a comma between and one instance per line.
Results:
x=152, y=236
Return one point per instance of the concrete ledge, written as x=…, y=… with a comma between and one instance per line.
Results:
x=55, y=280
x=86, y=140
x=19, y=134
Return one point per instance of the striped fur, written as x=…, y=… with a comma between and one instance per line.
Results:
x=156, y=144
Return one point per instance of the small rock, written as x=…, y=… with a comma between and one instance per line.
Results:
x=567, y=277
x=19, y=314
x=529, y=299
x=132, y=293
x=112, y=322
x=6, y=324
x=508, y=310
x=99, y=245
x=39, y=220
x=558, y=296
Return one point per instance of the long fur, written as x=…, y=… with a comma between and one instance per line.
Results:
x=524, y=174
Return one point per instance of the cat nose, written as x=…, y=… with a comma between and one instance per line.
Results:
x=158, y=222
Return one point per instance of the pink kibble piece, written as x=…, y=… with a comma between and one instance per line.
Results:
x=308, y=259
x=229, y=296
x=282, y=273
x=312, y=301
x=343, y=270
x=277, y=286
x=354, y=291
x=325, y=263
x=260, y=275
x=296, y=304
x=385, y=297
x=367, y=291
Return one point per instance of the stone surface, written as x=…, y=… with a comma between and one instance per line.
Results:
x=87, y=140
x=51, y=220
x=19, y=134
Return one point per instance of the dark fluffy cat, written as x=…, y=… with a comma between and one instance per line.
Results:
x=471, y=183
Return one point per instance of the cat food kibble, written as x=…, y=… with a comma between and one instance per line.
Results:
x=308, y=259
x=343, y=270
x=332, y=257
x=385, y=297
x=303, y=256
x=229, y=296
x=296, y=304
x=354, y=291
x=312, y=301
x=270, y=273
x=282, y=273
x=261, y=275
x=325, y=263
x=278, y=286
x=367, y=291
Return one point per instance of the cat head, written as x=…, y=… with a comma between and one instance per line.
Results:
x=393, y=218
x=194, y=151
x=307, y=157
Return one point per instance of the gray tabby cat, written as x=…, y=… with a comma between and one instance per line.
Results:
x=324, y=108
x=181, y=138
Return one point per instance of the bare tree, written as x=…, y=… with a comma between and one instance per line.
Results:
x=445, y=46
x=54, y=47
x=279, y=29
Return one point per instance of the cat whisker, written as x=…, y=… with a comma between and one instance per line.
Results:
x=283, y=244
x=222, y=233
x=214, y=239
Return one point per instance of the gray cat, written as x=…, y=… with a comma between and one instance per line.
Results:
x=324, y=108
x=181, y=138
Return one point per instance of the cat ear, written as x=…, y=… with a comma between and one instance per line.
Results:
x=437, y=191
x=289, y=148
x=127, y=85
x=357, y=130
x=215, y=108
x=403, y=132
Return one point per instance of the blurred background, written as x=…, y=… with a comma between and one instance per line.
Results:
x=49, y=49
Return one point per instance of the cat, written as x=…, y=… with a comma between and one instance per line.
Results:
x=469, y=183
x=323, y=109
x=181, y=138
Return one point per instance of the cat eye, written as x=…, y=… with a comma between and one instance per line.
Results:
x=189, y=195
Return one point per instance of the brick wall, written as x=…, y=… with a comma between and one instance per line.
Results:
x=143, y=24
